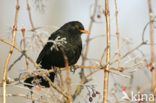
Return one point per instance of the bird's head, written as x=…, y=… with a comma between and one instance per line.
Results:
x=75, y=27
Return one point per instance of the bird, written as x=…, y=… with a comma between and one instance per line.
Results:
x=64, y=41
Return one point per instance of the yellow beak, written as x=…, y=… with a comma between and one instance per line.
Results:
x=85, y=31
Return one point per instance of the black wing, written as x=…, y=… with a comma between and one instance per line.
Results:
x=45, y=51
x=47, y=48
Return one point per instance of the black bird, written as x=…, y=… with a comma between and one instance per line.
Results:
x=66, y=39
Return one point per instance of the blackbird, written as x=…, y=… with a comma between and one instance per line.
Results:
x=65, y=41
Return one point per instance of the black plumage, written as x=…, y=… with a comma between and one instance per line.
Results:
x=66, y=39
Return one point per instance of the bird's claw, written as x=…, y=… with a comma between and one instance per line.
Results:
x=73, y=68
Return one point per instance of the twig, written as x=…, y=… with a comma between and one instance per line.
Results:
x=117, y=33
x=115, y=96
x=106, y=72
x=82, y=74
x=103, y=56
x=68, y=77
x=18, y=59
x=50, y=83
x=10, y=53
x=28, y=97
x=130, y=51
x=145, y=87
x=55, y=87
x=26, y=59
x=143, y=33
x=90, y=28
x=61, y=80
x=76, y=67
x=31, y=22
x=21, y=51
x=9, y=43
x=119, y=74
x=88, y=38
x=153, y=82
x=83, y=81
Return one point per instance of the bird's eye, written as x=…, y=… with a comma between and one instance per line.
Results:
x=76, y=26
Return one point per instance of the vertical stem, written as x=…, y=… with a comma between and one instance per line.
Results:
x=82, y=76
x=29, y=14
x=152, y=48
x=10, y=53
x=31, y=22
x=68, y=83
x=62, y=84
x=90, y=28
x=88, y=37
x=68, y=77
x=26, y=59
x=61, y=79
x=106, y=72
x=117, y=33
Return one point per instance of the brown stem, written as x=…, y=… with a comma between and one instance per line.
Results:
x=88, y=37
x=28, y=97
x=26, y=59
x=86, y=49
x=61, y=79
x=153, y=81
x=55, y=87
x=68, y=77
x=31, y=22
x=83, y=81
x=62, y=82
x=10, y=53
x=21, y=51
x=130, y=51
x=90, y=28
x=106, y=72
x=117, y=33
x=62, y=69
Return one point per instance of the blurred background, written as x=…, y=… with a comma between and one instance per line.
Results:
x=49, y=15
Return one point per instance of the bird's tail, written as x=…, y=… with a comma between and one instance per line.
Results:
x=39, y=80
x=52, y=76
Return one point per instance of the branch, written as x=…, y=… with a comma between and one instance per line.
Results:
x=83, y=81
x=88, y=38
x=31, y=22
x=153, y=81
x=117, y=33
x=26, y=59
x=21, y=51
x=28, y=97
x=68, y=77
x=106, y=72
x=10, y=53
